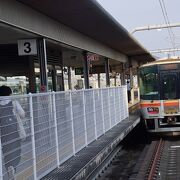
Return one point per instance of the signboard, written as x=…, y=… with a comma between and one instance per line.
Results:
x=92, y=57
x=78, y=71
x=27, y=47
x=153, y=110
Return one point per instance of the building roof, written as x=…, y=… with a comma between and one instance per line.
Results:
x=89, y=18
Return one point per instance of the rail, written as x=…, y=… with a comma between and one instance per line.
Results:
x=155, y=161
x=58, y=125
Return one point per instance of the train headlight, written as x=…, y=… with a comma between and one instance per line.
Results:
x=171, y=120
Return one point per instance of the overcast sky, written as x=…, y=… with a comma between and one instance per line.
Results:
x=136, y=13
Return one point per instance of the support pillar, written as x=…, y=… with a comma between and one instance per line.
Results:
x=115, y=82
x=42, y=57
x=85, y=70
x=69, y=78
x=122, y=76
x=54, y=78
x=31, y=76
x=62, y=79
x=99, y=80
x=131, y=76
x=107, y=72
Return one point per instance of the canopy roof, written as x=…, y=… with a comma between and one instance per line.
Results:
x=89, y=18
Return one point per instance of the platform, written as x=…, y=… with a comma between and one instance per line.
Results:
x=82, y=164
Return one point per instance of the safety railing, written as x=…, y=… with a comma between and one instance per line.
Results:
x=57, y=126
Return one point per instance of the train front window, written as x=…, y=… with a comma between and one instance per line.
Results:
x=169, y=85
x=148, y=81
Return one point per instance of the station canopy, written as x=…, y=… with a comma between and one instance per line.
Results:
x=89, y=18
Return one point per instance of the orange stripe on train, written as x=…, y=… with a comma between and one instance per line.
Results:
x=150, y=104
x=156, y=104
x=174, y=103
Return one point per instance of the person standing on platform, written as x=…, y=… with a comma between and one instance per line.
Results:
x=129, y=90
x=11, y=131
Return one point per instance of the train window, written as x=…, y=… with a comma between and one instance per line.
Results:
x=148, y=81
x=169, y=85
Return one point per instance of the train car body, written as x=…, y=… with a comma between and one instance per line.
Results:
x=159, y=83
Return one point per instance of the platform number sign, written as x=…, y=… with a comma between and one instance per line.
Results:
x=27, y=47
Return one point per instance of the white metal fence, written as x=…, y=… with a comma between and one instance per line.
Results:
x=58, y=125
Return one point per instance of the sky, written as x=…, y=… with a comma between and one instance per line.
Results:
x=140, y=13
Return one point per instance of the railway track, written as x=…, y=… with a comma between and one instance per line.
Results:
x=158, y=160
x=149, y=161
x=155, y=161
x=161, y=160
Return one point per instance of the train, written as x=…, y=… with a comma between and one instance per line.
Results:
x=159, y=83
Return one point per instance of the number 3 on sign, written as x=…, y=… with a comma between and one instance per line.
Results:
x=27, y=47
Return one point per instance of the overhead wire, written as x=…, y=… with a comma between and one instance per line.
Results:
x=170, y=28
x=166, y=19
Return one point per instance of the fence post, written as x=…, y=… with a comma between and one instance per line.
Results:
x=125, y=100
x=102, y=111
x=94, y=109
x=109, y=108
x=32, y=135
x=120, y=104
x=84, y=112
x=56, y=129
x=1, y=162
x=73, y=140
x=115, y=105
x=127, y=105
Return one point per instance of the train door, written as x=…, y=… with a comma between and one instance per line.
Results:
x=169, y=85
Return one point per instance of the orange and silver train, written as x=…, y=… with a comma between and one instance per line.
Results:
x=159, y=83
